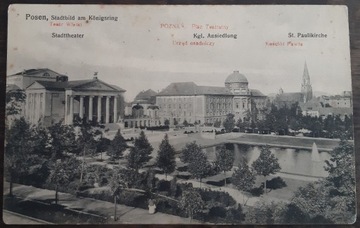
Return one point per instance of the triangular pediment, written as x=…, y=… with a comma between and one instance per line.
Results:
x=95, y=85
x=35, y=85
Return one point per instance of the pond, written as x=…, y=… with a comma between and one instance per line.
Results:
x=292, y=161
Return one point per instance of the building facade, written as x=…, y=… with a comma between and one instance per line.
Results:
x=142, y=112
x=51, y=98
x=207, y=104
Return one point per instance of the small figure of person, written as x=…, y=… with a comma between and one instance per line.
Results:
x=152, y=206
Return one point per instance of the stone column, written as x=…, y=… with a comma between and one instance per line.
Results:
x=99, y=109
x=91, y=111
x=36, y=108
x=107, y=111
x=66, y=109
x=115, y=109
x=81, y=109
x=71, y=114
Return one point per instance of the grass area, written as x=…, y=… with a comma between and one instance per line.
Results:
x=50, y=213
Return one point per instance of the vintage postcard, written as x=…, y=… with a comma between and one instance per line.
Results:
x=129, y=114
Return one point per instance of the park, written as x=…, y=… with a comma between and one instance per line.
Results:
x=93, y=173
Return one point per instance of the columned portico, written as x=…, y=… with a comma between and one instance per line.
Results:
x=71, y=114
x=91, y=110
x=67, y=101
x=115, y=110
x=106, y=108
x=81, y=109
x=99, y=109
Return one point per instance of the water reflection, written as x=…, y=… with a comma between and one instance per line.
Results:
x=292, y=161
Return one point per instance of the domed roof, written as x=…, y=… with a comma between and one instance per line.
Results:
x=236, y=77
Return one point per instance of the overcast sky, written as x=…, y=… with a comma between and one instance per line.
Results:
x=136, y=54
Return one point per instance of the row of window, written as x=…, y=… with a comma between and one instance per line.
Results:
x=216, y=113
x=175, y=113
x=180, y=106
x=174, y=99
x=222, y=106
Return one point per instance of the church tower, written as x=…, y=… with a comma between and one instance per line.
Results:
x=306, y=88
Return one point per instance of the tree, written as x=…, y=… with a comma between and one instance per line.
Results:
x=117, y=146
x=341, y=168
x=266, y=164
x=88, y=140
x=229, y=122
x=224, y=159
x=140, y=153
x=189, y=151
x=175, y=122
x=191, y=202
x=118, y=182
x=217, y=123
x=341, y=180
x=103, y=145
x=311, y=199
x=262, y=212
x=199, y=166
x=243, y=178
x=62, y=173
x=18, y=147
x=331, y=200
x=14, y=101
x=165, y=159
x=62, y=140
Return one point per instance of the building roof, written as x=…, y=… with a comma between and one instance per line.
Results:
x=12, y=87
x=290, y=97
x=179, y=89
x=213, y=90
x=145, y=95
x=313, y=104
x=335, y=111
x=236, y=77
x=153, y=107
x=256, y=93
x=39, y=72
x=190, y=88
x=76, y=85
x=137, y=106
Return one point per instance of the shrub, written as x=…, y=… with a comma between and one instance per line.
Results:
x=275, y=183
x=221, y=197
x=163, y=185
x=235, y=215
x=217, y=211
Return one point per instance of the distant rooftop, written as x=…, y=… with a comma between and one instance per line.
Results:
x=190, y=88
x=45, y=72
x=74, y=85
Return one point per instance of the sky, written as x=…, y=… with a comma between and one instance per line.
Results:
x=137, y=51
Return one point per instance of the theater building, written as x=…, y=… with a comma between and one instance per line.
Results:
x=51, y=98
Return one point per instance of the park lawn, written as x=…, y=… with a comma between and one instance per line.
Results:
x=284, y=193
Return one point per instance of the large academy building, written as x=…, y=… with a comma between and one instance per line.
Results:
x=51, y=98
x=206, y=104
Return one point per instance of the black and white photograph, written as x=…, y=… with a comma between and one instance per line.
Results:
x=144, y=114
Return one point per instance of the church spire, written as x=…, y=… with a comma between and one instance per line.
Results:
x=306, y=88
x=306, y=77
